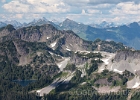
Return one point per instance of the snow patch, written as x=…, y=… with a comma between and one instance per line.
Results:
x=68, y=49
x=102, y=69
x=116, y=70
x=59, y=65
x=38, y=91
x=53, y=44
x=106, y=61
x=48, y=37
x=136, y=85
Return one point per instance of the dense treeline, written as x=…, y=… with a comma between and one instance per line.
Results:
x=10, y=70
x=12, y=91
x=86, y=92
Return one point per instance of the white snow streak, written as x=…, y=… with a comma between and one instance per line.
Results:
x=116, y=70
x=53, y=44
x=136, y=85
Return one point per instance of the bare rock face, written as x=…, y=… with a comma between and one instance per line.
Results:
x=127, y=55
x=103, y=82
x=49, y=34
x=127, y=60
x=75, y=59
x=31, y=34
x=65, y=40
x=21, y=47
x=4, y=31
x=75, y=42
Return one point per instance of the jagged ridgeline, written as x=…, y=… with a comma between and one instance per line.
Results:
x=29, y=49
x=35, y=53
x=56, y=39
x=127, y=34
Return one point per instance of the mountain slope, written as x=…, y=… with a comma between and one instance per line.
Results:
x=127, y=34
x=61, y=60
x=58, y=40
x=34, y=57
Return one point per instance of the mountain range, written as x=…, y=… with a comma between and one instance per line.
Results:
x=127, y=34
x=61, y=63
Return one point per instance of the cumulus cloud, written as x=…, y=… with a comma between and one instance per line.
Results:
x=36, y=6
x=16, y=6
x=108, y=1
x=78, y=10
x=126, y=8
x=95, y=2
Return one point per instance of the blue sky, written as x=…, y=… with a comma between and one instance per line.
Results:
x=85, y=11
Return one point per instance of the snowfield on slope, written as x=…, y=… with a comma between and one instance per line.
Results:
x=63, y=64
x=107, y=59
x=53, y=44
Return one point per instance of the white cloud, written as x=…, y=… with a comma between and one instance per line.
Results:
x=79, y=10
x=111, y=1
x=95, y=2
x=126, y=9
x=34, y=6
x=16, y=7
x=77, y=2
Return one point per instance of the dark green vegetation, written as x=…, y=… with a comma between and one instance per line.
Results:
x=87, y=93
x=9, y=90
x=10, y=53
x=10, y=58
x=111, y=78
x=89, y=55
x=76, y=90
x=70, y=67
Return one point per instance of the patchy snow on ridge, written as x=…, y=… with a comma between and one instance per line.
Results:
x=133, y=83
x=67, y=49
x=116, y=70
x=38, y=91
x=105, y=61
x=53, y=44
x=107, y=58
x=136, y=85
